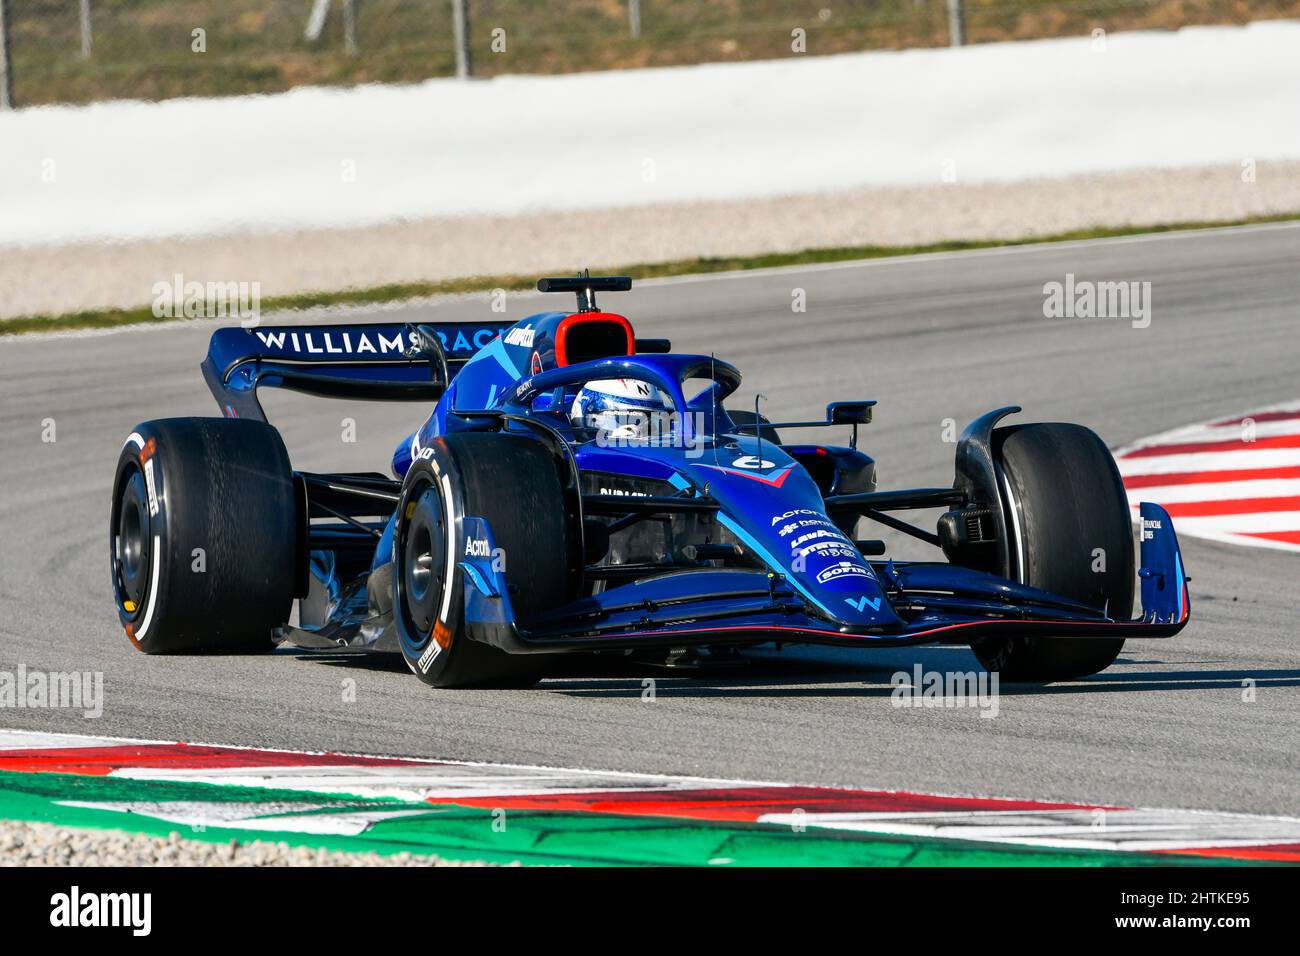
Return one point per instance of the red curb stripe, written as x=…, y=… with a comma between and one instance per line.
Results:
x=1209, y=477
x=1235, y=444
x=720, y=804
x=101, y=761
x=1238, y=506
x=747, y=804
x=1288, y=537
x=1280, y=853
x=1284, y=416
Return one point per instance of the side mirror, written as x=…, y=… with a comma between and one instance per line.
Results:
x=849, y=413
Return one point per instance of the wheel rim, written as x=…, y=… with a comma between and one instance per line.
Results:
x=423, y=572
x=131, y=545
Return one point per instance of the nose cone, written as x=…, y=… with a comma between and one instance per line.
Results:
x=771, y=504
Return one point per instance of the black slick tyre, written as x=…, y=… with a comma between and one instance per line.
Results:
x=203, y=535
x=514, y=483
x=1068, y=517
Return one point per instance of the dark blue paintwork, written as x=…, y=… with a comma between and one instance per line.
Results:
x=768, y=499
x=816, y=584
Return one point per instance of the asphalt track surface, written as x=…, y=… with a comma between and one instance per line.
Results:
x=932, y=338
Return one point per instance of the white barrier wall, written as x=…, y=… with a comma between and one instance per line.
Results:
x=321, y=158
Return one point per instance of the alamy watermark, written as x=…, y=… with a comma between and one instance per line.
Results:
x=922, y=688
x=1083, y=299
x=25, y=689
x=133, y=911
x=623, y=429
x=179, y=299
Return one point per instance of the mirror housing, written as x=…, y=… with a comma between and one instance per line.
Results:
x=849, y=413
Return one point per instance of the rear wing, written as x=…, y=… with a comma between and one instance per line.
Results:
x=376, y=362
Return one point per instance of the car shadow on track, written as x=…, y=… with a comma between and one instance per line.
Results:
x=806, y=672
x=827, y=673
x=1119, y=681
x=361, y=660
x=876, y=683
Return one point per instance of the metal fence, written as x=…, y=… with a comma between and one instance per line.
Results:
x=82, y=50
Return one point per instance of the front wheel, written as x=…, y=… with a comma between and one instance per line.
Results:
x=514, y=483
x=1071, y=534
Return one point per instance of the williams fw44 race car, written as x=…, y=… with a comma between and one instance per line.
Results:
x=577, y=489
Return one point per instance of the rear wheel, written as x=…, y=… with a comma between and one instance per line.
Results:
x=203, y=535
x=514, y=483
x=1068, y=518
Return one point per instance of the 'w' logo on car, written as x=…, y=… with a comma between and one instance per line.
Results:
x=862, y=602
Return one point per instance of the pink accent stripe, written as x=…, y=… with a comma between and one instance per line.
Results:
x=1010, y=625
x=776, y=482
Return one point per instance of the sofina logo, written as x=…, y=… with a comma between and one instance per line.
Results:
x=844, y=569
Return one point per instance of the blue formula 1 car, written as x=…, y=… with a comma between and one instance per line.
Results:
x=577, y=489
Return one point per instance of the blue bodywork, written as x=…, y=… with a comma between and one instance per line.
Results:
x=804, y=577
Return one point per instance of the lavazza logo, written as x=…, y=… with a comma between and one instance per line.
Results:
x=1081, y=299
x=179, y=299
x=522, y=336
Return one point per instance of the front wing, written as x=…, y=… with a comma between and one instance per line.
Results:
x=937, y=603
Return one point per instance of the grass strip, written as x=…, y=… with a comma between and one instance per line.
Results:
x=397, y=292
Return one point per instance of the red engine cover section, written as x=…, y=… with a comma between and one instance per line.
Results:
x=584, y=336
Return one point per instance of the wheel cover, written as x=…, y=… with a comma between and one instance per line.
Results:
x=422, y=572
x=132, y=548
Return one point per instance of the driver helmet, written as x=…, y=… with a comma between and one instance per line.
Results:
x=618, y=408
